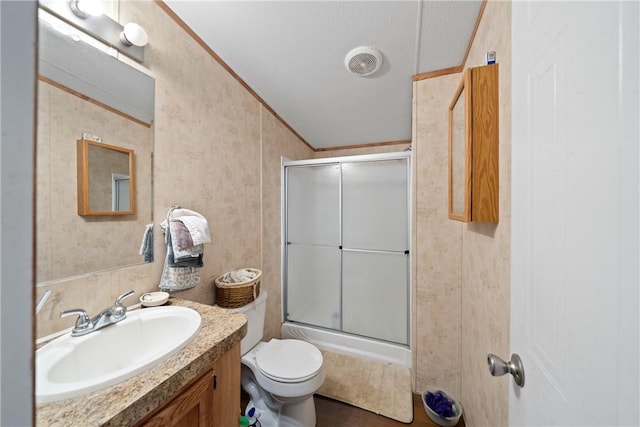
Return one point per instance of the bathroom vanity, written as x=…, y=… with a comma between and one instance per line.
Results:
x=199, y=385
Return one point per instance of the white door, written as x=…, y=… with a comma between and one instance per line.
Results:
x=575, y=217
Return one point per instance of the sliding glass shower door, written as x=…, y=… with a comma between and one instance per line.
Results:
x=347, y=245
x=375, y=244
x=313, y=240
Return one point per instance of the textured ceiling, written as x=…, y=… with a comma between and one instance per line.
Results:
x=291, y=53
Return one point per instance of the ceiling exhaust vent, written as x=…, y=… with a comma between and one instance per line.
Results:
x=363, y=61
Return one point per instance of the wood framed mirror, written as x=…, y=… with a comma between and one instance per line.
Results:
x=460, y=153
x=106, y=179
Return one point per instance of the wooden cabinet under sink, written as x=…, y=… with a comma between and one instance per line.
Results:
x=213, y=399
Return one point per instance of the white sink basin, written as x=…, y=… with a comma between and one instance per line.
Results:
x=73, y=366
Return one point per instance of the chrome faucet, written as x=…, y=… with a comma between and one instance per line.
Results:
x=84, y=325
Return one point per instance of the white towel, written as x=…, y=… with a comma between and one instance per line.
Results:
x=196, y=224
x=239, y=276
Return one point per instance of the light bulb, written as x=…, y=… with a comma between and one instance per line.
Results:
x=134, y=34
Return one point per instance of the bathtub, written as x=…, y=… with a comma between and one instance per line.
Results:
x=353, y=345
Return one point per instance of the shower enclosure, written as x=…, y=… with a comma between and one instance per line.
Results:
x=346, y=261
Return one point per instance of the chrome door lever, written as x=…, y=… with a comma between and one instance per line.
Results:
x=498, y=367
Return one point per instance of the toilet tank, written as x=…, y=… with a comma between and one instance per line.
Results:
x=255, y=312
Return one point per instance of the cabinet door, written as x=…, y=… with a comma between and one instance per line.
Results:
x=473, y=147
x=484, y=144
x=191, y=408
x=226, y=402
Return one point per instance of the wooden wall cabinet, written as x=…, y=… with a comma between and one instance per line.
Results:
x=473, y=147
x=211, y=400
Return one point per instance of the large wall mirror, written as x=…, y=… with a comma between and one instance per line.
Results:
x=87, y=94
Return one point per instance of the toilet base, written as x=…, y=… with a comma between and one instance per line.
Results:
x=302, y=414
x=277, y=411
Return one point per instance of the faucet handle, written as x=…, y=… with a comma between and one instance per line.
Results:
x=118, y=310
x=83, y=322
x=123, y=296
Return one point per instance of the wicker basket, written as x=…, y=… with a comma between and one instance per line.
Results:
x=234, y=295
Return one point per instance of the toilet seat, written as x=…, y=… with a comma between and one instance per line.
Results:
x=289, y=361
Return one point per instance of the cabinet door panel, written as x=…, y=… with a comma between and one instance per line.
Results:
x=193, y=407
x=226, y=402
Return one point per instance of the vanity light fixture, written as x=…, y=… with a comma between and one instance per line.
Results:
x=134, y=35
x=88, y=16
x=86, y=8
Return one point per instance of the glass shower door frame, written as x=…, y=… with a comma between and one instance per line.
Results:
x=406, y=155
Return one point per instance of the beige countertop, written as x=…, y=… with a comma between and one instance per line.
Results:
x=128, y=402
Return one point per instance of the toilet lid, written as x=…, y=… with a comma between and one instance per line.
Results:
x=289, y=360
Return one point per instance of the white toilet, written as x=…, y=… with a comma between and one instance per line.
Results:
x=280, y=376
